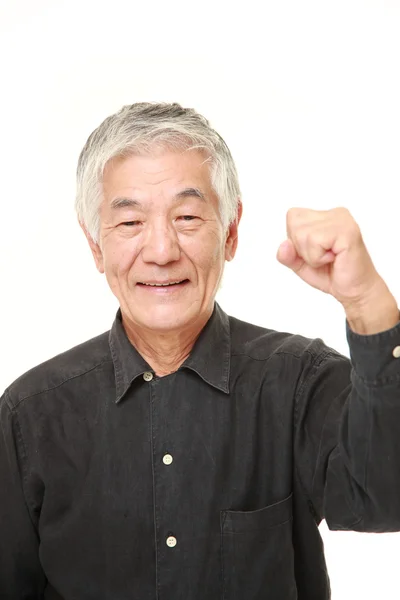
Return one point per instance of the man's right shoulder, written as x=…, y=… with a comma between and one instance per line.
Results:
x=54, y=372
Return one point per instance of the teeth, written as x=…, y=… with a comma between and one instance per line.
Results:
x=162, y=284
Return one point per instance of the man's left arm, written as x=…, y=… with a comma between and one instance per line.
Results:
x=347, y=441
x=347, y=432
x=374, y=343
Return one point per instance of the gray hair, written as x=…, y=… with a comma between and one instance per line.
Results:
x=140, y=128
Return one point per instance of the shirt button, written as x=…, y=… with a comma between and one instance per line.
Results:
x=167, y=459
x=147, y=376
x=171, y=541
x=396, y=352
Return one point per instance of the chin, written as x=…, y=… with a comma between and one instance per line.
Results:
x=165, y=318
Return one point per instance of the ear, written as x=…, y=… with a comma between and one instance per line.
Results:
x=95, y=248
x=232, y=235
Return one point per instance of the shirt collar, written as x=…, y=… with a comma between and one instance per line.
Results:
x=209, y=358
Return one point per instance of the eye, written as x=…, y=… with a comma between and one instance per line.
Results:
x=130, y=223
x=188, y=217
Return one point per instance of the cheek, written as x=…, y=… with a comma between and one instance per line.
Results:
x=118, y=259
x=217, y=250
x=206, y=254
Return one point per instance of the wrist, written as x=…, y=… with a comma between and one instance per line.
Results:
x=378, y=313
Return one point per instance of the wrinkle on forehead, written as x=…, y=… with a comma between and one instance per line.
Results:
x=121, y=175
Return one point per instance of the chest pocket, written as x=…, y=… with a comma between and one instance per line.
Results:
x=257, y=553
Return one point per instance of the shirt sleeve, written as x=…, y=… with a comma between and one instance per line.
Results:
x=21, y=575
x=347, y=433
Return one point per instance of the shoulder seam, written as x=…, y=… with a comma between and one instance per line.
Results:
x=317, y=361
x=279, y=352
x=59, y=384
x=6, y=397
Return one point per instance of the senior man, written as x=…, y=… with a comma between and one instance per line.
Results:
x=186, y=454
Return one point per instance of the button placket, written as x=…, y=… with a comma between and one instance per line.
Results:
x=166, y=524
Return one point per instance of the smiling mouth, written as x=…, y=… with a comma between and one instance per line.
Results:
x=165, y=284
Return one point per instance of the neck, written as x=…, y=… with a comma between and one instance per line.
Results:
x=165, y=352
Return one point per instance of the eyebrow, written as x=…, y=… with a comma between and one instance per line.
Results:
x=125, y=202
x=190, y=192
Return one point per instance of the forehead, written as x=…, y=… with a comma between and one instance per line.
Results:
x=158, y=172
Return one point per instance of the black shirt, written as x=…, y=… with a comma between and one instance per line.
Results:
x=208, y=483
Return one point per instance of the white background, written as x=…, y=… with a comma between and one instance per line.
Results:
x=307, y=96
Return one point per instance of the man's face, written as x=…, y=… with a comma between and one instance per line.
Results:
x=160, y=224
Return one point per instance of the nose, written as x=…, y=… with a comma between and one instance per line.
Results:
x=161, y=244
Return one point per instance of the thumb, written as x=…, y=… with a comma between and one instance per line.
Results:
x=288, y=256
